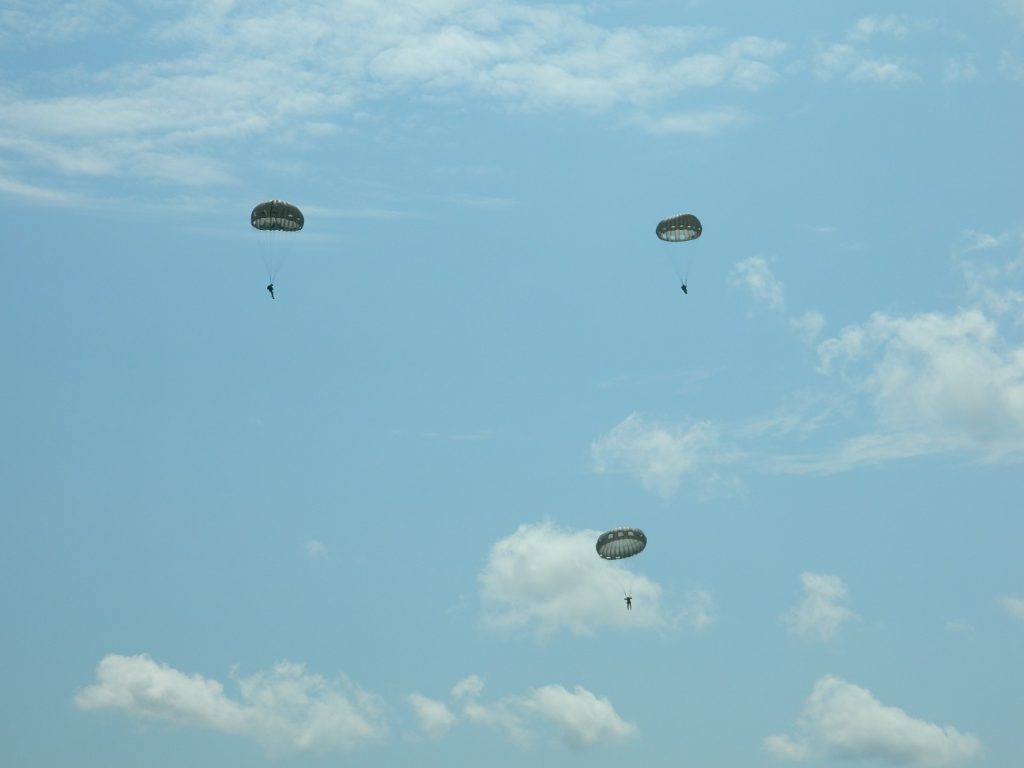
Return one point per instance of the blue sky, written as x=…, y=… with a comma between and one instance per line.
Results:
x=355, y=525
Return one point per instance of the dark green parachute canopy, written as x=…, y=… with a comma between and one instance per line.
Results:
x=621, y=542
x=277, y=215
x=679, y=228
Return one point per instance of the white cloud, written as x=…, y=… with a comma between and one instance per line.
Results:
x=959, y=627
x=29, y=22
x=820, y=614
x=870, y=26
x=835, y=59
x=941, y=380
x=285, y=710
x=543, y=579
x=755, y=275
x=787, y=748
x=989, y=275
x=882, y=71
x=843, y=721
x=705, y=122
x=469, y=687
x=808, y=326
x=854, y=59
x=1015, y=8
x=973, y=240
x=582, y=718
x=658, y=455
x=927, y=384
x=960, y=70
x=698, y=610
x=1011, y=66
x=434, y=717
x=502, y=715
x=1013, y=606
x=34, y=192
x=315, y=550
x=205, y=80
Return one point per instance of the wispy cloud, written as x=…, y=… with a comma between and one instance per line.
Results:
x=856, y=57
x=808, y=326
x=17, y=188
x=843, y=721
x=1014, y=606
x=704, y=122
x=872, y=26
x=315, y=550
x=24, y=23
x=222, y=73
x=992, y=279
x=755, y=275
x=285, y=710
x=821, y=612
x=698, y=610
x=659, y=455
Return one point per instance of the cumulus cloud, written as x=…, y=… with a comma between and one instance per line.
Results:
x=843, y=721
x=755, y=275
x=285, y=710
x=658, y=455
x=582, y=718
x=821, y=613
x=1013, y=606
x=543, y=579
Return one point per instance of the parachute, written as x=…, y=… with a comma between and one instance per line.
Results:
x=621, y=542
x=680, y=228
x=275, y=220
x=277, y=216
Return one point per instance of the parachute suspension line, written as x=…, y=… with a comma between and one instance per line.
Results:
x=676, y=230
x=275, y=219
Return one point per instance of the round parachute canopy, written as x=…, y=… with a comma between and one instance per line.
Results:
x=621, y=542
x=277, y=216
x=679, y=229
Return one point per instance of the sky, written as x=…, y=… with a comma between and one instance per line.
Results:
x=354, y=525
